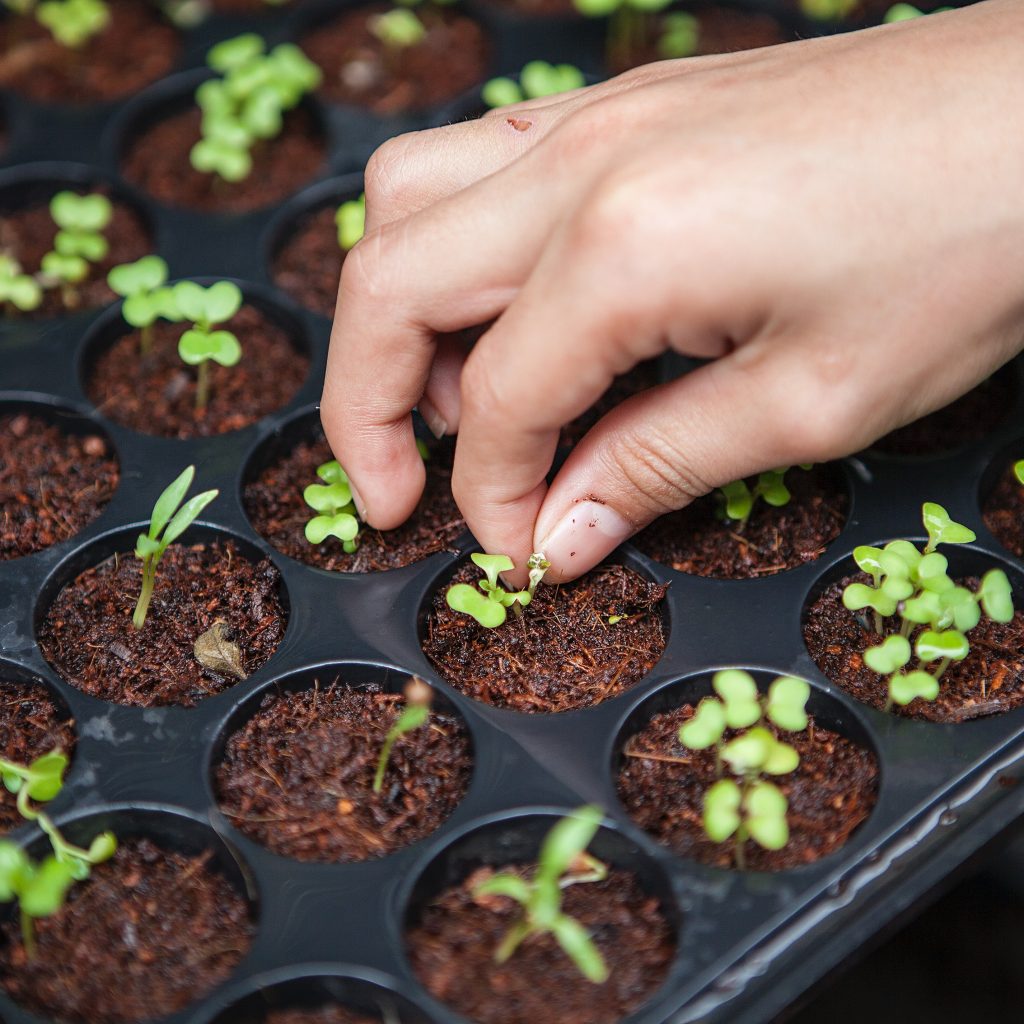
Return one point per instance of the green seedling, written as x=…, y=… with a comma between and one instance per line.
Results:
x=828, y=10
x=73, y=22
x=79, y=241
x=350, y=219
x=680, y=35
x=489, y=604
x=204, y=308
x=337, y=513
x=1018, y=471
x=631, y=25
x=907, y=12
x=751, y=808
x=142, y=284
x=563, y=861
x=18, y=291
x=739, y=498
x=398, y=29
x=415, y=715
x=536, y=80
x=167, y=523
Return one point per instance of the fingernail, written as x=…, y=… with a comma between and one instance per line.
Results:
x=357, y=501
x=584, y=535
x=435, y=422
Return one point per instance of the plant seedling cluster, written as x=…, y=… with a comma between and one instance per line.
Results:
x=911, y=588
x=167, y=523
x=563, y=861
x=247, y=103
x=72, y=23
x=399, y=29
x=490, y=603
x=753, y=807
x=536, y=80
x=143, y=286
x=416, y=714
x=332, y=500
x=350, y=220
x=739, y=498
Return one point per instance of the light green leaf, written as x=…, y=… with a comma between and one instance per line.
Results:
x=885, y=658
x=858, y=595
x=43, y=894
x=904, y=689
x=461, y=597
x=934, y=646
x=765, y=816
x=171, y=497
x=750, y=751
x=578, y=946
x=706, y=727
x=501, y=92
x=722, y=810
x=941, y=529
x=996, y=596
x=342, y=525
x=787, y=703
x=492, y=565
x=186, y=515
x=739, y=692
x=504, y=884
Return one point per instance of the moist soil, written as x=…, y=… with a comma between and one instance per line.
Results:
x=31, y=724
x=451, y=58
x=137, y=47
x=562, y=653
x=148, y=934
x=990, y=680
x=275, y=506
x=156, y=393
x=52, y=484
x=323, y=1015
x=452, y=952
x=298, y=777
x=832, y=791
x=696, y=540
x=158, y=162
x=27, y=234
x=88, y=637
x=308, y=265
x=1003, y=511
x=640, y=378
x=970, y=418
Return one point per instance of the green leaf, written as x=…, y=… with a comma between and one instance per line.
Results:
x=934, y=646
x=171, y=497
x=397, y=28
x=292, y=68
x=926, y=608
x=1018, y=471
x=739, y=502
x=904, y=689
x=959, y=609
x=577, y=944
x=221, y=301
x=885, y=658
x=329, y=498
x=906, y=553
x=342, y=525
x=566, y=841
x=765, y=816
x=211, y=156
x=12, y=781
x=20, y=290
x=787, y=703
x=102, y=848
x=680, y=36
x=73, y=212
x=771, y=486
x=146, y=547
x=539, y=79
x=932, y=573
x=262, y=114
x=14, y=869
x=461, y=597
x=750, y=751
x=996, y=597
x=235, y=52
x=87, y=244
x=505, y=884
x=492, y=565
x=597, y=8
x=739, y=692
x=141, y=310
x=73, y=22
x=332, y=473
x=896, y=589
x=43, y=894
x=868, y=559
x=941, y=529
x=72, y=269
x=227, y=131
x=198, y=345
x=722, y=810
x=350, y=220
x=501, y=92
x=706, y=727
x=212, y=98
x=144, y=275
x=186, y=515
x=858, y=595
x=782, y=759
x=46, y=776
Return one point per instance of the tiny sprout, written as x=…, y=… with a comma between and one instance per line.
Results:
x=204, y=307
x=398, y=28
x=907, y=12
x=19, y=290
x=79, y=241
x=828, y=10
x=167, y=523
x=142, y=286
x=414, y=716
x=350, y=220
x=337, y=513
x=489, y=604
x=680, y=35
x=739, y=498
x=563, y=861
x=73, y=22
x=536, y=80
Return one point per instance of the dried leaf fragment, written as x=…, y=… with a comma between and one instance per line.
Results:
x=214, y=651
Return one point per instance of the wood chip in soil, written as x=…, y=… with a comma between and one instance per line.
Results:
x=158, y=162
x=989, y=681
x=87, y=635
x=151, y=932
x=322, y=1015
x=156, y=393
x=830, y=794
x=452, y=952
x=31, y=724
x=52, y=484
x=308, y=264
x=298, y=777
x=137, y=47
x=561, y=653
x=275, y=506
x=696, y=540
x=27, y=233
x=451, y=58
x=1003, y=511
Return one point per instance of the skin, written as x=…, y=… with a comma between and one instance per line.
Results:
x=837, y=224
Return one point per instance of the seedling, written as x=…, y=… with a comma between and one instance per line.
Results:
x=204, y=308
x=18, y=291
x=907, y=12
x=397, y=29
x=1018, y=471
x=350, y=219
x=537, y=79
x=489, y=604
x=739, y=498
x=166, y=525
x=828, y=10
x=680, y=35
x=79, y=241
x=563, y=861
x=630, y=25
x=752, y=808
x=72, y=23
x=337, y=513
x=934, y=613
x=415, y=715
x=146, y=299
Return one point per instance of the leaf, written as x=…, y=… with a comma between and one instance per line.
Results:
x=960, y=609
x=171, y=497
x=397, y=28
x=102, y=848
x=722, y=810
x=858, y=595
x=739, y=692
x=1018, y=471
x=932, y=573
x=328, y=498
x=787, y=703
x=73, y=212
x=578, y=946
x=342, y=525
x=771, y=486
x=739, y=502
x=350, y=220
x=499, y=92
x=749, y=752
x=46, y=775
x=996, y=597
x=925, y=608
x=904, y=689
x=87, y=244
x=72, y=269
x=906, y=552
x=214, y=651
x=568, y=838
x=186, y=515
x=235, y=52
x=461, y=597
x=210, y=156
x=504, y=884
x=43, y=894
x=885, y=658
x=492, y=565
x=14, y=867
x=221, y=301
x=868, y=559
x=943, y=530
x=188, y=300
x=765, y=816
x=144, y=275
x=706, y=727
x=935, y=646
x=782, y=759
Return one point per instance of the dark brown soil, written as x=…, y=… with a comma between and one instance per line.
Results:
x=158, y=161
x=830, y=794
x=274, y=504
x=137, y=47
x=970, y=418
x=27, y=234
x=52, y=484
x=452, y=952
x=323, y=1015
x=308, y=265
x=562, y=653
x=298, y=777
x=31, y=725
x=148, y=934
x=88, y=637
x=451, y=58
x=156, y=394
x=1003, y=511
x=697, y=541
x=990, y=680
x=640, y=378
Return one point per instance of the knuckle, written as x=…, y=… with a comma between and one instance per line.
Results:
x=367, y=270
x=610, y=207
x=387, y=172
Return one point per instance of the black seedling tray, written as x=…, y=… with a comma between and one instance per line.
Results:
x=748, y=944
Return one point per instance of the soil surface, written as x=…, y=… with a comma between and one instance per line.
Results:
x=27, y=234
x=640, y=378
x=988, y=681
x=452, y=953
x=323, y=1015
x=970, y=418
x=832, y=791
x=150, y=933
x=561, y=653
x=298, y=777
x=88, y=636
x=31, y=724
x=34, y=64
x=52, y=484
x=308, y=265
x=274, y=504
x=156, y=393
x=451, y=58
x=158, y=161
x=697, y=541
x=1003, y=511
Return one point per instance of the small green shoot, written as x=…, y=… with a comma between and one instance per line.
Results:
x=489, y=604
x=680, y=35
x=415, y=715
x=142, y=284
x=828, y=10
x=738, y=499
x=563, y=861
x=72, y=23
x=536, y=80
x=631, y=25
x=398, y=28
x=199, y=345
x=18, y=291
x=79, y=241
x=167, y=523
x=350, y=219
x=337, y=513
x=907, y=12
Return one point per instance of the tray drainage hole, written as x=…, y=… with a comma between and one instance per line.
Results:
x=948, y=817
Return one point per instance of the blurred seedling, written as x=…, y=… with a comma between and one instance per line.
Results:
x=19, y=292
x=828, y=10
x=563, y=861
x=751, y=808
x=631, y=26
x=488, y=602
x=925, y=613
x=739, y=498
x=350, y=220
x=415, y=715
x=907, y=12
x=71, y=23
x=170, y=519
x=536, y=80
x=142, y=284
x=79, y=242
x=332, y=500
